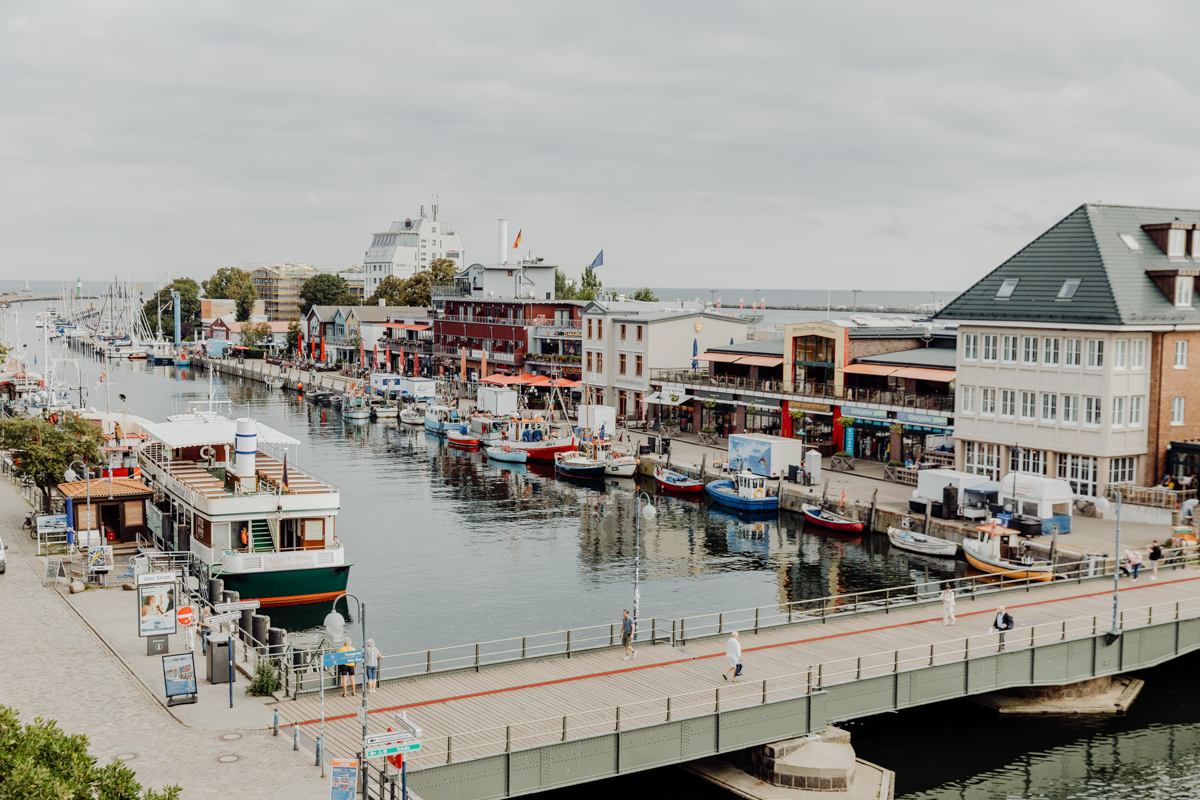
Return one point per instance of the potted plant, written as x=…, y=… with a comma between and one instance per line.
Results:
x=846, y=422
x=896, y=427
x=674, y=397
x=751, y=408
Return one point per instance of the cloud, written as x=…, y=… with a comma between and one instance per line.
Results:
x=915, y=144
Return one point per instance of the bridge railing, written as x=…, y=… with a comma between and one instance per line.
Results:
x=482, y=742
x=820, y=609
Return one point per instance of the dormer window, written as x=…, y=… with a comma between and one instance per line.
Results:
x=1176, y=243
x=1007, y=288
x=1184, y=286
x=1171, y=237
x=1068, y=290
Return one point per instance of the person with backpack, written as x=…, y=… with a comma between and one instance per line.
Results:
x=1003, y=623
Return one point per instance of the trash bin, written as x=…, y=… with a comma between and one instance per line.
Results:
x=666, y=445
x=652, y=442
x=793, y=472
x=645, y=449
x=218, y=658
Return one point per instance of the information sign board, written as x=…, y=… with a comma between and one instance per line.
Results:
x=348, y=657
x=344, y=779
x=391, y=749
x=179, y=674
x=52, y=566
x=100, y=559
x=150, y=578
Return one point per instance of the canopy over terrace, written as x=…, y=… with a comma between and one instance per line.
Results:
x=200, y=431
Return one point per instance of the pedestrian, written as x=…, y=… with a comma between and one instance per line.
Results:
x=347, y=670
x=627, y=635
x=1155, y=557
x=1135, y=562
x=1125, y=564
x=733, y=652
x=1003, y=623
x=371, y=659
x=947, y=597
x=205, y=629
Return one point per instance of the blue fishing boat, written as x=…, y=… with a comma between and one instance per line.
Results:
x=746, y=492
x=586, y=464
x=439, y=419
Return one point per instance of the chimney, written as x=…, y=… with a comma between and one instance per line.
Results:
x=502, y=258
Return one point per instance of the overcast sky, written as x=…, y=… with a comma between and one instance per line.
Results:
x=780, y=145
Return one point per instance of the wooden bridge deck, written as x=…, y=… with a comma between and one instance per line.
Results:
x=474, y=714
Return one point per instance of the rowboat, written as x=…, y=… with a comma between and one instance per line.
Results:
x=747, y=492
x=920, y=543
x=670, y=481
x=828, y=519
x=275, y=383
x=506, y=453
x=999, y=550
x=410, y=416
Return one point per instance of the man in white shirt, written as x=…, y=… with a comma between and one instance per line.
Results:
x=733, y=652
x=947, y=598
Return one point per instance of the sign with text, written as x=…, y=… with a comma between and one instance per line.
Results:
x=217, y=619
x=391, y=749
x=921, y=419
x=156, y=609
x=150, y=578
x=100, y=559
x=348, y=657
x=179, y=674
x=344, y=779
x=865, y=413
x=52, y=567
x=238, y=606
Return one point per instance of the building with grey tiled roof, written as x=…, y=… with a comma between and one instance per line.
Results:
x=1073, y=355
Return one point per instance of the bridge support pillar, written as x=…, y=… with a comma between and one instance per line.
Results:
x=1111, y=694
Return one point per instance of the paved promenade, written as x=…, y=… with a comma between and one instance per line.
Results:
x=79, y=662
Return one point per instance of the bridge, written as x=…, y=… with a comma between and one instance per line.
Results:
x=524, y=715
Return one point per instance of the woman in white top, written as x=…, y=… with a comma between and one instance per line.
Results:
x=947, y=597
x=733, y=652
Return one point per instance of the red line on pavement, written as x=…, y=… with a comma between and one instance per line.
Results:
x=719, y=655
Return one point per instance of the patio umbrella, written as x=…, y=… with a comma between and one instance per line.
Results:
x=483, y=363
x=695, y=353
x=462, y=364
x=403, y=370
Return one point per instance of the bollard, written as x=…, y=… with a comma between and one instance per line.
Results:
x=296, y=736
x=275, y=731
x=245, y=624
x=216, y=587
x=318, y=758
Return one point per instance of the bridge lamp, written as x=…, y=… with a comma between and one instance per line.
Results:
x=1102, y=505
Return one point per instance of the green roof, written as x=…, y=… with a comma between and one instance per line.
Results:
x=1086, y=246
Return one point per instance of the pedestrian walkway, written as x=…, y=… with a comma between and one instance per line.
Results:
x=97, y=681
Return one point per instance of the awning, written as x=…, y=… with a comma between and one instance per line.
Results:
x=665, y=399
x=198, y=431
x=761, y=361
x=869, y=369
x=726, y=357
x=406, y=327
x=925, y=374
x=500, y=380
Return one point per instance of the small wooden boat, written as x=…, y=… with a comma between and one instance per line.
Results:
x=670, y=481
x=747, y=492
x=621, y=465
x=506, y=453
x=586, y=464
x=355, y=406
x=275, y=383
x=410, y=416
x=461, y=437
x=920, y=543
x=828, y=519
x=999, y=550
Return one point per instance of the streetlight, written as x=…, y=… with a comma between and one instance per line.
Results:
x=1102, y=506
x=335, y=624
x=71, y=476
x=855, y=293
x=648, y=512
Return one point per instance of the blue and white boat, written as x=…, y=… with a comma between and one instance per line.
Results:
x=439, y=419
x=507, y=453
x=746, y=492
x=587, y=464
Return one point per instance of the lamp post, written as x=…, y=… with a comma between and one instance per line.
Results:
x=1102, y=505
x=648, y=512
x=72, y=477
x=335, y=623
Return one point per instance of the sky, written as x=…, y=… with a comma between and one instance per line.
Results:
x=786, y=145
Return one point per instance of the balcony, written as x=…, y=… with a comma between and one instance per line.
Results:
x=551, y=360
x=476, y=355
x=818, y=391
x=448, y=292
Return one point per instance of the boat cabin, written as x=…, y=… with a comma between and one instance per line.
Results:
x=1004, y=543
x=751, y=485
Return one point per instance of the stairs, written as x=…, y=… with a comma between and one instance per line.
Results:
x=260, y=537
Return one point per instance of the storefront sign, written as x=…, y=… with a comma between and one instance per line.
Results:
x=869, y=413
x=921, y=419
x=817, y=407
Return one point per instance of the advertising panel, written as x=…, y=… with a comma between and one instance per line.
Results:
x=179, y=674
x=156, y=609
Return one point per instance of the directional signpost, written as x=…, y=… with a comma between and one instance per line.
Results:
x=390, y=748
x=332, y=660
x=394, y=744
x=218, y=618
x=241, y=605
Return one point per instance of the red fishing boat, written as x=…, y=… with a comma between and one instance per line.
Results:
x=670, y=481
x=828, y=519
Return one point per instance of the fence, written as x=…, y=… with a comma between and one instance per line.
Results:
x=819, y=391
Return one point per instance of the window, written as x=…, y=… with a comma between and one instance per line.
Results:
x=967, y=393
x=622, y=332
x=1120, y=354
x=987, y=401
x=1095, y=353
x=1181, y=354
x=639, y=333
x=1068, y=290
x=982, y=459
x=1049, y=407
x=1129, y=241
x=1028, y=401
x=970, y=346
x=1008, y=402
x=1176, y=243
x=1022, y=459
x=1071, y=352
x=599, y=329
x=1183, y=290
x=1118, y=412
x=1009, y=356
x=637, y=365
x=1091, y=411
x=1176, y=411
x=589, y=357
x=589, y=327
x=989, y=346
x=1121, y=470
x=1050, y=351
x=1135, y=412
x=1079, y=471
x=621, y=363
x=1029, y=350
x=1137, y=354
x=599, y=362
x=1070, y=409
x=1007, y=288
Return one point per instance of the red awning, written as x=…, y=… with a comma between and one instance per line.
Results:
x=500, y=380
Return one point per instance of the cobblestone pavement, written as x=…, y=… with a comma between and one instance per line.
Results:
x=54, y=665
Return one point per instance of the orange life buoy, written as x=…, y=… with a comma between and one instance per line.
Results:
x=245, y=538
x=758, y=493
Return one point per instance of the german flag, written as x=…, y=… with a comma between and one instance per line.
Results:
x=518, y=241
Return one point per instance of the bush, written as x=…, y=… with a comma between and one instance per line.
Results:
x=895, y=463
x=844, y=453
x=255, y=352
x=266, y=680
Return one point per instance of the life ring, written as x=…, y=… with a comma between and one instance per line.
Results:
x=207, y=451
x=758, y=493
x=245, y=537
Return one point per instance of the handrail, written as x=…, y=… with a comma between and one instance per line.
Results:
x=821, y=391
x=814, y=678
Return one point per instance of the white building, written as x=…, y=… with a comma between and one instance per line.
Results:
x=624, y=339
x=408, y=246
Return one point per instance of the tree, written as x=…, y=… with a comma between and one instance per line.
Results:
x=390, y=290
x=564, y=289
x=41, y=760
x=245, y=303
x=42, y=450
x=417, y=290
x=293, y=336
x=189, y=304
x=645, y=294
x=254, y=332
x=589, y=286
x=227, y=283
x=324, y=290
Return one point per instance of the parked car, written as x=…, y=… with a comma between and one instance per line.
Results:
x=3, y=558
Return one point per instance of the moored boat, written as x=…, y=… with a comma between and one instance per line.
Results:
x=999, y=550
x=586, y=463
x=746, y=491
x=440, y=418
x=410, y=416
x=275, y=383
x=671, y=481
x=506, y=453
x=830, y=520
x=920, y=543
x=461, y=436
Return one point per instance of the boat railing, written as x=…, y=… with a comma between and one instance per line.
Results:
x=469, y=744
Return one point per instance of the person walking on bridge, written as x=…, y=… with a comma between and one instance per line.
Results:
x=1156, y=555
x=627, y=635
x=1003, y=623
x=947, y=598
x=733, y=652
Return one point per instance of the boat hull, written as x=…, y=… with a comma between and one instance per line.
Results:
x=510, y=456
x=1016, y=572
x=288, y=587
x=924, y=545
x=621, y=469
x=690, y=487
x=583, y=472
x=813, y=514
x=455, y=439
x=724, y=493
x=546, y=452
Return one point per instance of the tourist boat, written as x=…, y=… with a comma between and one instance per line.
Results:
x=461, y=436
x=670, y=481
x=920, y=543
x=410, y=416
x=830, y=520
x=265, y=528
x=1000, y=550
x=440, y=418
x=588, y=463
x=746, y=491
x=507, y=453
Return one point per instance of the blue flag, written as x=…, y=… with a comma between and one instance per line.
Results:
x=695, y=353
x=598, y=261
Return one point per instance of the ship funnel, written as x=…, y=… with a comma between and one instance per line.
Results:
x=245, y=448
